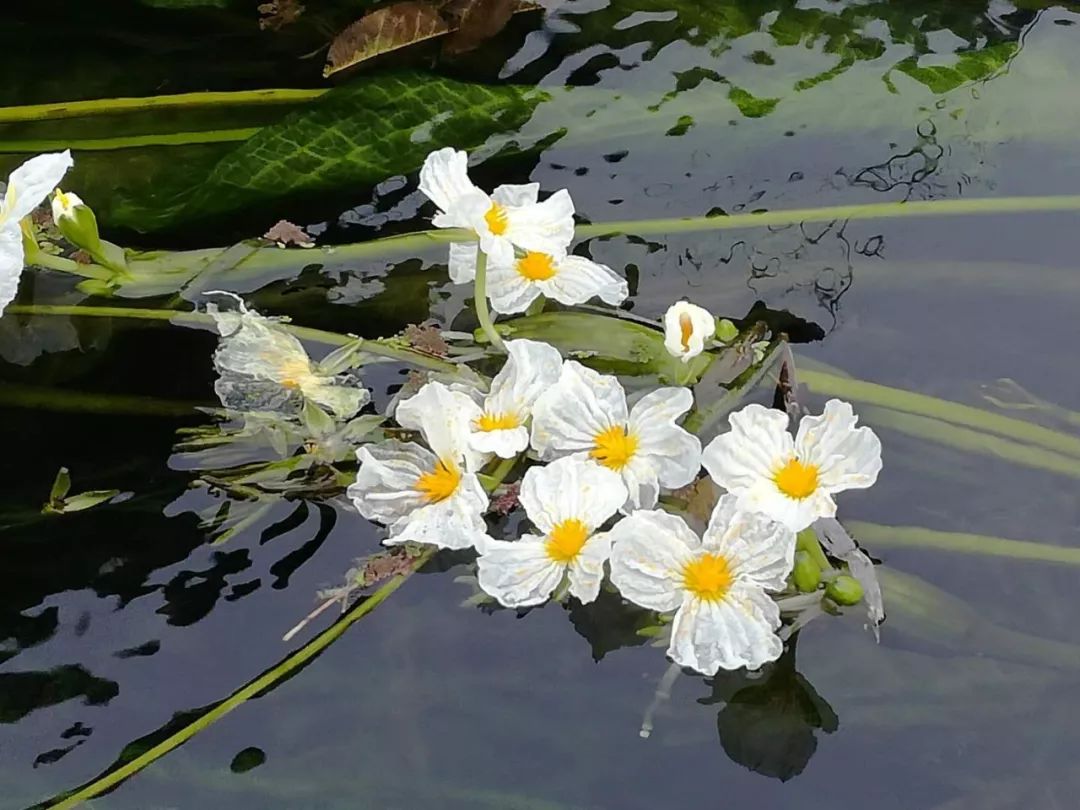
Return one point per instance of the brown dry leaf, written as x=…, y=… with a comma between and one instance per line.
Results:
x=474, y=21
x=286, y=233
x=426, y=338
x=507, y=499
x=276, y=14
x=386, y=564
x=383, y=30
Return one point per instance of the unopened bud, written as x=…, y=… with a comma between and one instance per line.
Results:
x=844, y=590
x=807, y=574
x=76, y=222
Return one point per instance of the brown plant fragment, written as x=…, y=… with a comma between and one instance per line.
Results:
x=475, y=21
x=507, y=499
x=285, y=233
x=698, y=499
x=425, y=337
x=276, y=14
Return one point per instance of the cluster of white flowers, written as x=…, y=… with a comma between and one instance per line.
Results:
x=607, y=460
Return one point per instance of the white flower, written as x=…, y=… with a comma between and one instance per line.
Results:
x=426, y=496
x=27, y=186
x=568, y=500
x=792, y=480
x=686, y=328
x=717, y=585
x=570, y=280
x=531, y=368
x=509, y=217
x=585, y=414
x=262, y=367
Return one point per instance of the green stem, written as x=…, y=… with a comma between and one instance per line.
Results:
x=480, y=301
x=113, y=106
x=911, y=402
x=15, y=395
x=877, y=536
x=807, y=541
x=376, y=347
x=41, y=259
x=701, y=420
x=127, y=142
x=265, y=681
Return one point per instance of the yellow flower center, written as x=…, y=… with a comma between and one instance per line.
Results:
x=440, y=483
x=797, y=480
x=686, y=327
x=566, y=540
x=536, y=266
x=614, y=447
x=496, y=219
x=708, y=577
x=497, y=421
x=64, y=200
x=294, y=373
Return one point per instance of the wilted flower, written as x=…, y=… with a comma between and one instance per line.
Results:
x=568, y=500
x=793, y=480
x=585, y=414
x=509, y=217
x=686, y=328
x=426, y=495
x=570, y=280
x=531, y=368
x=27, y=186
x=717, y=584
x=262, y=367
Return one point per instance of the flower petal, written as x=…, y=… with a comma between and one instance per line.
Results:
x=503, y=443
x=571, y=488
x=518, y=574
x=649, y=551
x=518, y=195
x=846, y=457
x=759, y=550
x=32, y=182
x=531, y=368
x=674, y=453
x=11, y=263
x=343, y=399
x=509, y=291
x=444, y=418
x=546, y=227
x=385, y=486
x=587, y=570
x=757, y=445
x=569, y=415
x=735, y=632
x=462, y=262
x=444, y=178
x=578, y=279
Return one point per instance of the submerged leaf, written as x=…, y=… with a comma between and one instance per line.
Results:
x=276, y=14
x=477, y=21
x=383, y=30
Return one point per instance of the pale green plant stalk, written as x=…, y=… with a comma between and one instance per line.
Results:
x=877, y=536
x=480, y=301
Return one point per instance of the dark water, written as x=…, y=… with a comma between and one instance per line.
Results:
x=121, y=617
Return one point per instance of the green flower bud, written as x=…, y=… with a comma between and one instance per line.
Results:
x=726, y=331
x=845, y=590
x=807, y=574
x=76, y=222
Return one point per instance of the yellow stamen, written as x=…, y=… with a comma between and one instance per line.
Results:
x=63, y=199
x=708, y=577
x=496, y=219
x=294, y=373
x=440, y=483
x=686, y=326
x=614, y=447
x=497, y=421
x=797, y=480
x=536, y=266
x=566, y=540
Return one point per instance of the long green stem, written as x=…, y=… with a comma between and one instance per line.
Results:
x=921, y=404
x=113, y=106
x=60, y=264
x=480, y=301
x=400, y=353
x=16, y=395
x=874, y=535
x=268, y=679
x=128, y=141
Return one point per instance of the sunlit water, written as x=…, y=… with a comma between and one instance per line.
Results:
x=119, y=618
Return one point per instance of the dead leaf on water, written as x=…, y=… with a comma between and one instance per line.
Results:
x=384, y=30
